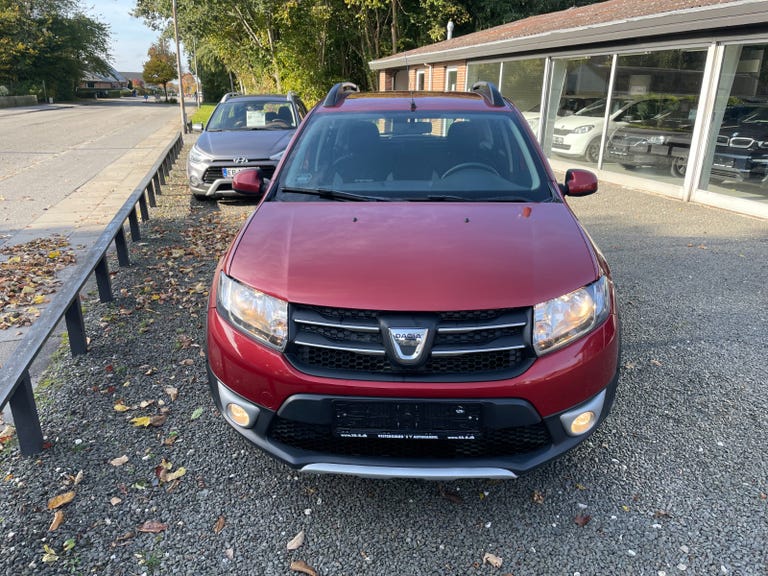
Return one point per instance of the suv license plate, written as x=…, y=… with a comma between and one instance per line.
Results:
x=230, y=172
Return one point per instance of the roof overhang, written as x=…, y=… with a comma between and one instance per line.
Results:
x=701, y=21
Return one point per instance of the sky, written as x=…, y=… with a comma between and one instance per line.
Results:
x=130, y=38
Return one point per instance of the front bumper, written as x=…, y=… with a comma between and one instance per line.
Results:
x=514, y=439
x=293, y=416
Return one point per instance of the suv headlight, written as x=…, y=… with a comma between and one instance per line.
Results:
x=562, y=320
x=259, y=315
x=657, y=139
x=197, y=156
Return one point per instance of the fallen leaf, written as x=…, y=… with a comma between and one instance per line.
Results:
x=152, y=527
x=662, y=514
x=230, y=553
x=196, y=414
x=58, y=518
x=172, y=392
x=145, y=403
x=50, y=556
x=60, y=500
x=141, y=421
x=158, y=420
x=451, y=496
x=7, y=434
x=119, y=461
x=655, y=362
x=115, y=500
x=538, y=497
x=492, y=559
x=296, y=542
x=582, y=519
x=303, y=567
x=171, y=476
x=69, y=544
x=187, y=362
x=219, y=526
x=78, y=478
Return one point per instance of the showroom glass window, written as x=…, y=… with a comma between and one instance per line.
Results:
x=576, y=108
x=483, y=71
x=736, y=161
x=656, y=101
x=521, y=82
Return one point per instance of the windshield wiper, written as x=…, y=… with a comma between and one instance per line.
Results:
x=335, y=195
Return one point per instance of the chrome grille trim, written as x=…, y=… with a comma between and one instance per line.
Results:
x=325, y=341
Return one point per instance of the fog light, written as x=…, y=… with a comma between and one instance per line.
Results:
x=583, y=418
x=195, y=181
x=239, y=415
x=582, y=423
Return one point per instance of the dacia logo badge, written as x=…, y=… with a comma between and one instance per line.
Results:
x=408, y=344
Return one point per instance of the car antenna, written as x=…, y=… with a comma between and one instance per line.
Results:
x=408, y=74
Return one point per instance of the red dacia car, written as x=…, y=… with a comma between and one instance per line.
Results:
x=413, y=297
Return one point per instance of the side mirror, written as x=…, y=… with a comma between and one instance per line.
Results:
x=579, y=183
x=198, y=126
x=249, y=182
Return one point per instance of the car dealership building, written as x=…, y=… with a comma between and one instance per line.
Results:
x=665, y=95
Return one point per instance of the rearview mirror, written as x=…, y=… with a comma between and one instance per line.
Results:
x=198, y=126
x=579, y=183
x=249, y=182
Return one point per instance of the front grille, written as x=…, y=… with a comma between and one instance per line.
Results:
x=491, y=442
x=468, y=345
x=561, y=132
x=742, y=142
x=215, y=172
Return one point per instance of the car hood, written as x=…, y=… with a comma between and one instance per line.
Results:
x=252, y=144
x=413, y=256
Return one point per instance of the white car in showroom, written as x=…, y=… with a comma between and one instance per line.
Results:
x=578, y=136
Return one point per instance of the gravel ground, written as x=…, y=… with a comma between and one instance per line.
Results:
x=674, y=482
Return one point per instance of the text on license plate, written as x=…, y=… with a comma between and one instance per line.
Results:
x=229, y=172
x=558, y=139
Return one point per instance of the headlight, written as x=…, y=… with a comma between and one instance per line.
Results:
x=259, y=315
x=562, y=320
x=583, y=129
x=657, y=139
x=197, y=156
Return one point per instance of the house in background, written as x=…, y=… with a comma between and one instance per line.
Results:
x=95, y=84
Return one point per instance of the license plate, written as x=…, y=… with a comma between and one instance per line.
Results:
x=558, y=139
x=407, y=420
x=230, y=172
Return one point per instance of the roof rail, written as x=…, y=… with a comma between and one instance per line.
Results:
x=339, y=92
x=489, y=92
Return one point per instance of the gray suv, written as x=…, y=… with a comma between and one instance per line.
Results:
x=243, y=132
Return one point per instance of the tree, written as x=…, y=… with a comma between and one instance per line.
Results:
x=51, y=43
x=161, y=66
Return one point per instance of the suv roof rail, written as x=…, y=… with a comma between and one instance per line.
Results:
x=339, y=92
x=489, y=92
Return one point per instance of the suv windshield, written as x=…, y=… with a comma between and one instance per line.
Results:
x=414, y=156
x=239, y=114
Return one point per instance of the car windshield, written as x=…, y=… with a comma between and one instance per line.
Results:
x=414, y=156
x=240, y=114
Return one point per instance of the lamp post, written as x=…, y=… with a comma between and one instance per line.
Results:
x=178, y=71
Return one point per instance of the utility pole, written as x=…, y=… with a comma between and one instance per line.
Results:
x=178, y=71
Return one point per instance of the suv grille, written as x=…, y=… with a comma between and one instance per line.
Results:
x=491, y=443
x=214, y=173
x=468, y=345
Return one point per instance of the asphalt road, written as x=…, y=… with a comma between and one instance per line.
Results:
x=675, y=481
x=48, y=152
